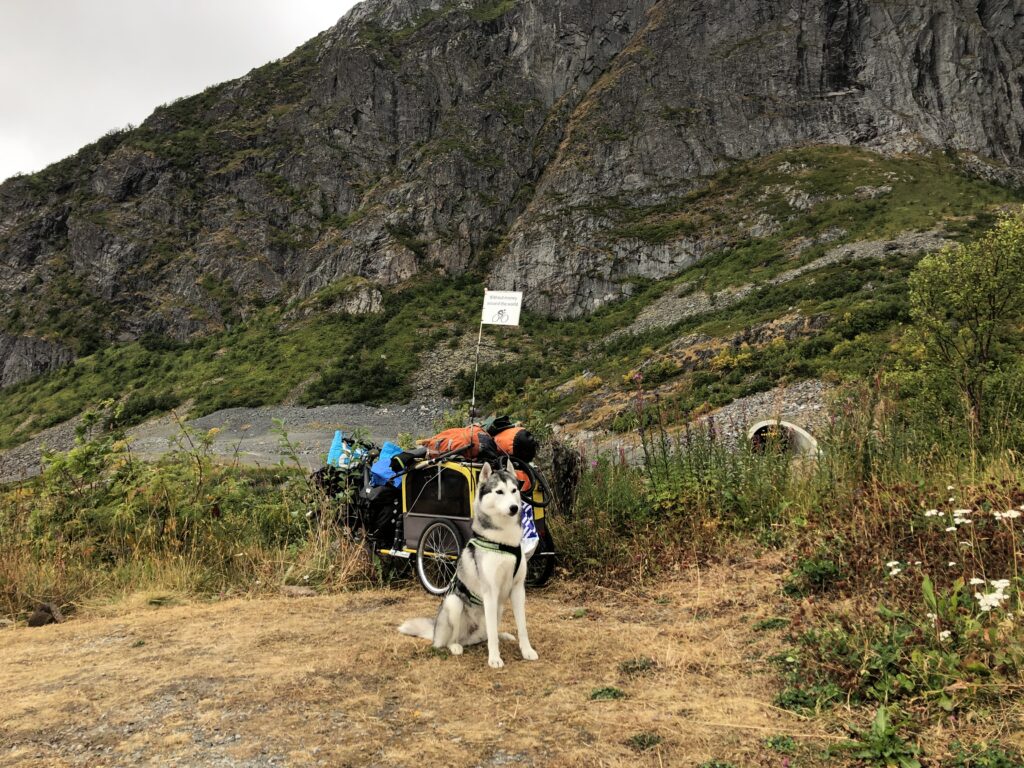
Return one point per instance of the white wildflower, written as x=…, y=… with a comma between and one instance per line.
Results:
x=917, y=562
x=892, y=563
x=931, y=616
x=1010, y=514
x=952, y=563
x=994, y=599
x=932, y=513
x=949, y=487
x=944, y=634
x=950, y=499
x=976, y=581
x=960, y=516
x=951, y=528
x=987, y=602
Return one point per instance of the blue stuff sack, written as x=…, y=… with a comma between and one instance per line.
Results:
x=343, y=453
x=381, y=472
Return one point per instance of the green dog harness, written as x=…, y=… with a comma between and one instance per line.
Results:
x=494, y=546
x=491, y=546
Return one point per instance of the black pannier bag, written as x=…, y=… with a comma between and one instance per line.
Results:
x=379, y=509
x=372, y=511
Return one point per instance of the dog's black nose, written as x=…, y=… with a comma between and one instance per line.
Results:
x=513, y=509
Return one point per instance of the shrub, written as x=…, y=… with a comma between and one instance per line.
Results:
x=966, y=302
x=98, y=521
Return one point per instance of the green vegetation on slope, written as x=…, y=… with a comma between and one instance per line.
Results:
x=864, y=301
x=329, y=357
x=342, y=358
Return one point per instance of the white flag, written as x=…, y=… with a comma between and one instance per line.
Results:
x=502, y=307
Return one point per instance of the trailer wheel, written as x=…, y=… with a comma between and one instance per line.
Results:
x=542, y=563
x=437, y=556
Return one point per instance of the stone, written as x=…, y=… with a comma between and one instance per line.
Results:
x=290, y=590
x=24, y=357
x=46, y=613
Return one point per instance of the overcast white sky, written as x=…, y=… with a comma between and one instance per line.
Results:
x=70, y=70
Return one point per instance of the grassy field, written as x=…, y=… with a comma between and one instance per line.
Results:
x=671, y=674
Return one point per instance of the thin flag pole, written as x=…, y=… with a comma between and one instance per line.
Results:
x=476, y=365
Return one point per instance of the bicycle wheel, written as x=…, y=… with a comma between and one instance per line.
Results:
x=542, y=563
x=437, y=556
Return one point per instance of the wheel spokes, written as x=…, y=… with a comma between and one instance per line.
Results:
x=439, y=557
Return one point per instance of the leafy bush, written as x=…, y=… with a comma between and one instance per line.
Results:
x=138, y=407
x=812, y=575
x=98, y=521
x=966, y=303
x=951, y=656
x=643, y=741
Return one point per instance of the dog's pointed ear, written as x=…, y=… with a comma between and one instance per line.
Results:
x=485, y=473
x=508, y=464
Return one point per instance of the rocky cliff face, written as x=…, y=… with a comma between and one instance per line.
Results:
x=705, y=84
x=23, y=358
x=511, y=136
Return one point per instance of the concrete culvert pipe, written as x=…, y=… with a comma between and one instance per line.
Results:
x=789, y=437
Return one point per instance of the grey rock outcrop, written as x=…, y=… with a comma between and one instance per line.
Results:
x=407, y=137
x=23, y=357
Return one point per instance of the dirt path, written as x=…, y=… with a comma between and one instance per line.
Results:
x=328, y=681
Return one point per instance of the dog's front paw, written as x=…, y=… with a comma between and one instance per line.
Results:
x=496, y=662
x=455, y=649
x=529, y=654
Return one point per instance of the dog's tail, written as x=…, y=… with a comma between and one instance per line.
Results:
x=418, y=628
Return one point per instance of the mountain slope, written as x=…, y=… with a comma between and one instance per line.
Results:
x=404, y=137
x=823, y=294
x=320, y=228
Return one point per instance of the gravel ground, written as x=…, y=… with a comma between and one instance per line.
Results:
x=252, y=436
x=23, y=461
x=248, y=434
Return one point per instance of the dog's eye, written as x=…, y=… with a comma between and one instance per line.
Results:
x=500, y=491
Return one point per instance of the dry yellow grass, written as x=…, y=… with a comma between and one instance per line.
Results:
x=328, y=681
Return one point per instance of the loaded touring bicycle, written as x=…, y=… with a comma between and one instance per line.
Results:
x=423, y=513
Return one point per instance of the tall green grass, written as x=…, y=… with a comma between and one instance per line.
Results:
x=99, y=523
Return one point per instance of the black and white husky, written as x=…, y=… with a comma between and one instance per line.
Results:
x=491, y=570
